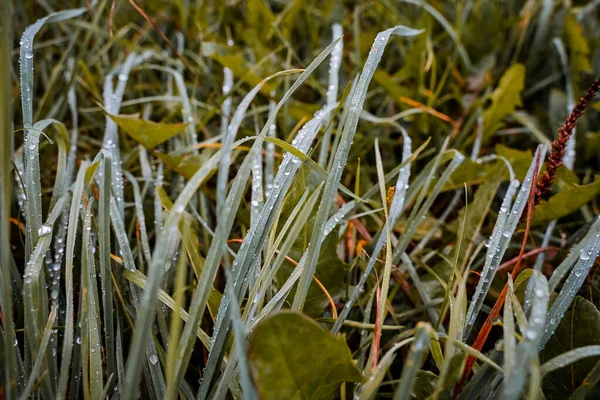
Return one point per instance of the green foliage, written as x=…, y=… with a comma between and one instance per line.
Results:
x=176, y=177
x=567, y=201
x=505, y=98
x=295, y=358
x=147, y=133
x=579, y=327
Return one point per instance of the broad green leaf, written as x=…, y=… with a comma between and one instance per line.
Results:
x=579, y=327
x=565, y=202
x=292, y=357
x=505, y=99
x=147, y=133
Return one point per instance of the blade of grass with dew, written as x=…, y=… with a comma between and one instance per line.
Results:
x=60, y=188
x=539, y=261
x=33, y=204
x=91, y=335
x=112, y=98
x=35, y=295
x=515, y=378
x=37, y=366
x=256, y=237
x=342, y=121
x=270, y=250
x=229, y=138
x=33, y=277
x=141, y=219
x=67, y=350
x=256, y=204
x=341, y=155
x=418, y=213
x=105, y=264
x=574, y=254
x=332, y=89
x=415, y=358
x=175, y=327
x=395, y=211
x=508, y=218
x=568, y=358
x=587, y=257
x=282, y=249
x=270, y=149
x=145, y=313
x=248, y=389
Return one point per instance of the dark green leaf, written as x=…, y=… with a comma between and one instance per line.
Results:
x=293, y=357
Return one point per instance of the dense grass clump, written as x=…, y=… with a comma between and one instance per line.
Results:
x=299, y=200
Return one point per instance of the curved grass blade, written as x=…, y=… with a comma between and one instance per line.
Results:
x=247, y=258
x=587, y=256
x=35, y=371
x=341, y=155
x=33, y=204
x=569, y=357
x=507, y=221
x=332, y=89
x=156, y=272
x=67, y=350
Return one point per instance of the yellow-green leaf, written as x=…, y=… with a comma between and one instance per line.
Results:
x=147, y=133
x=505, y=99
x=578, y=46
x=565, y=202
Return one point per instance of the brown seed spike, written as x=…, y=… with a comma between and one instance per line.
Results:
x=390, y=196
x=559, y=146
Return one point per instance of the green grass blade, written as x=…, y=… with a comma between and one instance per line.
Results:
x=507, y=221
x=341, y=155
x=67, y=350
x=417, y=352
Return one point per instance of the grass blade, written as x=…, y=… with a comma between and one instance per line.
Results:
x=341, y=155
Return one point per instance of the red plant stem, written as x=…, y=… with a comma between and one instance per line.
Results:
x=530, y=253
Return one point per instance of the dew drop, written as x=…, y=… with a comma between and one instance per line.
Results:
x=44, y=230
x=584, y=255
